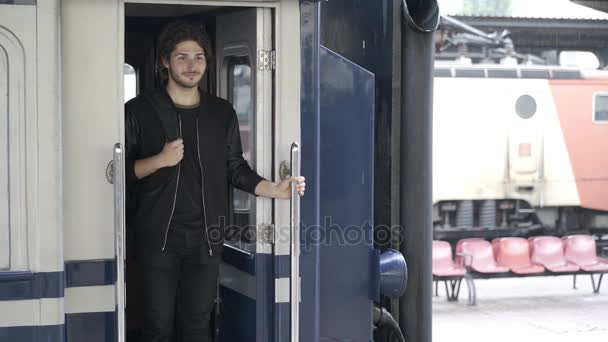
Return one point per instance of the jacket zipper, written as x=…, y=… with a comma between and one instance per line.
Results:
x=179, y=121
x=198, y=151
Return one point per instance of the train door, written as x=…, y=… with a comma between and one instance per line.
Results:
x=254, y=275
x=244, y=50
x=258, y=71
x=338, y=256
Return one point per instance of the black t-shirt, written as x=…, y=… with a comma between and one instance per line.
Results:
x=189, y=211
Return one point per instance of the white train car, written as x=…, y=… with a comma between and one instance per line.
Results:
x=519, y=148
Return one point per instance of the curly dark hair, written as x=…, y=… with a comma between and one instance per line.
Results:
x=179, y=31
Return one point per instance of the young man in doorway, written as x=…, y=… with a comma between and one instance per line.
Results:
x=183, y=149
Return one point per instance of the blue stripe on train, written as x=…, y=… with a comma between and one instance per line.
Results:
x=90, y=327
x=283, y=321
x=282, y=266
x=90, y=273
x=28, y=285
x=44, y=333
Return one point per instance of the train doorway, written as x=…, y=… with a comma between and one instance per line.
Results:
x=242, y=72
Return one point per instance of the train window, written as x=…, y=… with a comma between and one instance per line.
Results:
x=542, y=74
x=240, y=94
x=477, y=73
x=600, y=108
x=525, y=106
x=567, y=74
x=502, y=73
x=442, y=72
x=130, y=85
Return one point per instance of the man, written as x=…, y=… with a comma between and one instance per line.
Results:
x=183, y=149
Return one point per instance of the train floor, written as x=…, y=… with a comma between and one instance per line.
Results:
x=522, y=310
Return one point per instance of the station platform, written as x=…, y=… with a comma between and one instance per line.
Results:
x=524, y=310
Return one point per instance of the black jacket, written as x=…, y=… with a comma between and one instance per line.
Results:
x=150, y=121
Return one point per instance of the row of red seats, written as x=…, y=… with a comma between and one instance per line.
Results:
x=508, y=257
x=518, y=255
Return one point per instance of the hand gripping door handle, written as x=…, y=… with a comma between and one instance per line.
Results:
x=119, y=234
x=295, y=245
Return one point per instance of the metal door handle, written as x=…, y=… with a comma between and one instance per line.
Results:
x=119, y=233
x=295, y=245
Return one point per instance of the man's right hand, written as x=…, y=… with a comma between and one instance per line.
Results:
x=172, y=153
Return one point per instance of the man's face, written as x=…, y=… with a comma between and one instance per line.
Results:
x=186, y=64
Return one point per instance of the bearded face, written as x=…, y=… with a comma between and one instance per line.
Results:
x=187, y=64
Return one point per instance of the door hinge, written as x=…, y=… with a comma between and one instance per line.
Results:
x=266, y=234
x=267, y=59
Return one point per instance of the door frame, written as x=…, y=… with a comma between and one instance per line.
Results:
x=286, y=125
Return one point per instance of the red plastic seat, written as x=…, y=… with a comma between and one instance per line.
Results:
x=514, y=253
x=482, y=256
x=549, y=252
x=581, y=250
x=443, y=265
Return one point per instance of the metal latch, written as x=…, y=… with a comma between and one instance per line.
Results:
x=110, y=172
x=267, y=59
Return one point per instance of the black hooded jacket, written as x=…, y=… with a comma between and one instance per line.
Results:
x=150, y=121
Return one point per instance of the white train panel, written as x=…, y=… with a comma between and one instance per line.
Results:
x=469, y=140
x=19, y=115
x=482, y=149
x=92, y=94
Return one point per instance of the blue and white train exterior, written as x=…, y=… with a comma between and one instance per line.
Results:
x=62, y=199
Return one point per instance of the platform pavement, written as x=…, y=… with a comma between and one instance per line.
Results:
x=543, y=309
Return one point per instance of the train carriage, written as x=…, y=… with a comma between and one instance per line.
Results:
x=534, y=159
x=67, y=68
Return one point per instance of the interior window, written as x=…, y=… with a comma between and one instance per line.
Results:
x=130, y=84
x=241, y=97
x=600, y=108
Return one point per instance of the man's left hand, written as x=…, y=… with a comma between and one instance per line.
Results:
x=283, y=189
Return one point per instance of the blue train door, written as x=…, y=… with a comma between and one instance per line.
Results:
x=245, y=78
x=338, y=263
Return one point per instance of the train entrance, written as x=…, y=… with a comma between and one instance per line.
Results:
x=243, y=72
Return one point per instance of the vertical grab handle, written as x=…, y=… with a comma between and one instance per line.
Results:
x=119, y=233
x=295, y=245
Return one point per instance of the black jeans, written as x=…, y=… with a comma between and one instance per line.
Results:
x=182, y=268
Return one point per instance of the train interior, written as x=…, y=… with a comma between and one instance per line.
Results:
x=142, y=73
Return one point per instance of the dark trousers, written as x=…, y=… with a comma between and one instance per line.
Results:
x=181, y=269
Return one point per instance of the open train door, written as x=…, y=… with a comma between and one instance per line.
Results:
x=258, y=71
x=245, y=73
x=338, y=255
